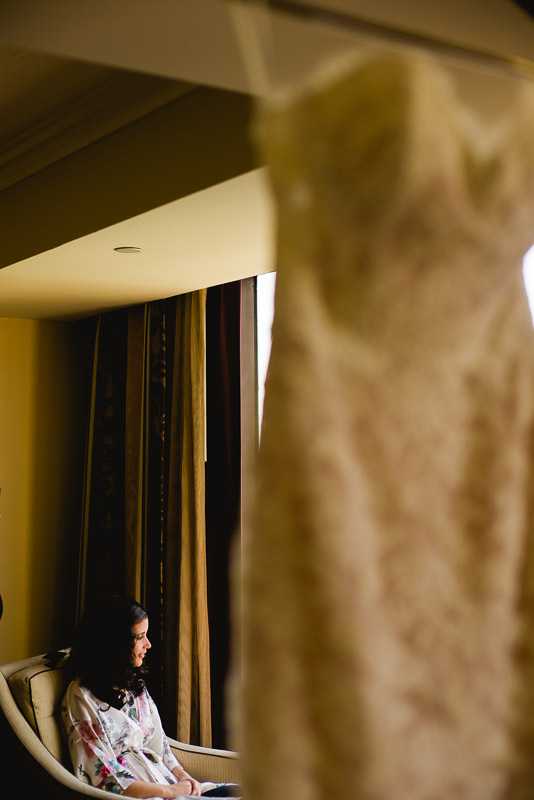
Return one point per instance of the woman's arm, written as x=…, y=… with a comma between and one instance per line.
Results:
x=160, y=745
x=144, y=789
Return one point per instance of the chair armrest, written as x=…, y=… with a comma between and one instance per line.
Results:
x=207, y=763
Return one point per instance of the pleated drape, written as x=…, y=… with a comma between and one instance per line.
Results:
x=187, y=459
x=144, y=517
x=223, y=481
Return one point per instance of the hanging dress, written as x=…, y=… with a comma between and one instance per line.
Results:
x=388, y=579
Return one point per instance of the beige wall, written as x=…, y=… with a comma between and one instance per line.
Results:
x=43, y=390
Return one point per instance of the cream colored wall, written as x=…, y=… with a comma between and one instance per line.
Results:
x=42, y=426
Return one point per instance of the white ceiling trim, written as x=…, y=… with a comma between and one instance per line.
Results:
x=105, y=108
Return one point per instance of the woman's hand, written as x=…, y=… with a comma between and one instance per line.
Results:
x=185, y=786
x=184, y=777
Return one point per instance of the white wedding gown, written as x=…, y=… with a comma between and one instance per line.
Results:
x=388, y=582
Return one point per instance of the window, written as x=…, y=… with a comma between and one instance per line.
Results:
x=528, y=278
x=265, y=286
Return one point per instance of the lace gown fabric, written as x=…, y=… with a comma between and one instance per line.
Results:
x=388, y=583
x=111, y=748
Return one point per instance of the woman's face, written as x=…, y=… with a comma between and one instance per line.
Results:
x=141, y=643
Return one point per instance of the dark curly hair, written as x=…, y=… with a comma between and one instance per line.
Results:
x=102, y=653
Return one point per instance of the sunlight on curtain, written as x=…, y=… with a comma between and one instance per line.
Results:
x=187, y=472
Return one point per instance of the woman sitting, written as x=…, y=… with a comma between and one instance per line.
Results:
x=113, y=728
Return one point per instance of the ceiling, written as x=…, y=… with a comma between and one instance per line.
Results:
x=128, y=124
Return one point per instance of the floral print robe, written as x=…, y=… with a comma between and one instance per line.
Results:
x=112, y=748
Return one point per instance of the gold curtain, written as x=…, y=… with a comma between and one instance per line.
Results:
x=144, y=517
x=188, y=461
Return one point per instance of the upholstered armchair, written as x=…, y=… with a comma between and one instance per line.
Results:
x=33, y=747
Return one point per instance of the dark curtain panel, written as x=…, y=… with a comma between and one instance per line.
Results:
x=223, y=475
x=144, y=516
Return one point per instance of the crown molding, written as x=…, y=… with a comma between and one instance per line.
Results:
x=96, y=113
